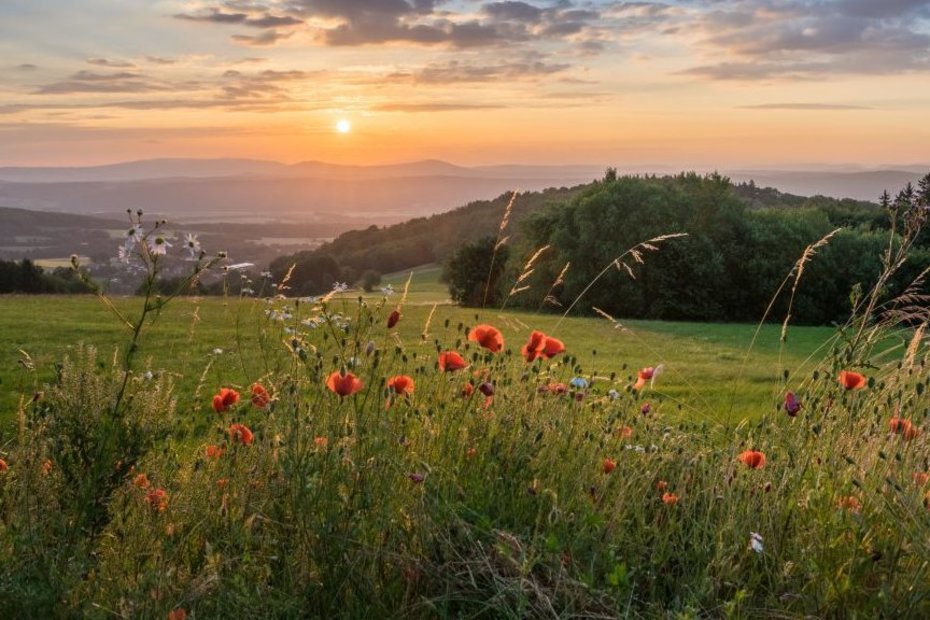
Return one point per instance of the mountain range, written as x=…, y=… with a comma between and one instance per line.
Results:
x=312, y=191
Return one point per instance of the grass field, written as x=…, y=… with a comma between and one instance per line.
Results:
x=710, y=371
x=486, y=491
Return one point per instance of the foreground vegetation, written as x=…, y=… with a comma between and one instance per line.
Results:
x=349, y=457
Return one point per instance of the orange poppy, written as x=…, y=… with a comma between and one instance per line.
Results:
x=4, y=466
x=753, y=459
x=609, y=465
x=903, y=427
x=471, y=452
x=47, y=467
x=644, y=375
x=321, y=442
x=553, y=347
x=541, y=345
x=241, y=433
x=450, y=361
x=921, y=477
x=225, y=399
x=141, y=481
x=661, y=485
x=850, y=503
x=260, y=397
x=177, y=614
x=401, y=384
x=852, y=380
x=222, y=482
x=157, y=499
x=344, y=385
x=214, y=452
x=625, y=431
x=488, y=337
x=393, y=318
x=669, y=499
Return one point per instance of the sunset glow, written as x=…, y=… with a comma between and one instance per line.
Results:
x=673, y=83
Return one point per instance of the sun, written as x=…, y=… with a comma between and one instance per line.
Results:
x=343, y=126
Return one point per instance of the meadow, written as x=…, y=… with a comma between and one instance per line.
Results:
x=393, y=455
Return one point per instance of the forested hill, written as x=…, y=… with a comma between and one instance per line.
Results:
x=433, y=239
x=414, y=242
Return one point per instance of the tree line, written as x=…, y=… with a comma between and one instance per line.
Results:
x=727, y=268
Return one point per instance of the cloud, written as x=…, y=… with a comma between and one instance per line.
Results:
x=269, y=37
x=456, y=72
x=27, y=67
x=805, y=106
x=801, y=39
x=266, y=20
x=107, y=62
x=420, y=22
x=161, y=60
x=91, y=82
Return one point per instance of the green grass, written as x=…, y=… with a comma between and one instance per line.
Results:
x=708, y=375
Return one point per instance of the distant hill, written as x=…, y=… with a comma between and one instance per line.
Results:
x=862, y=185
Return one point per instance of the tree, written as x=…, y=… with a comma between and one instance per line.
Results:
x=474, y=272
x=370, y=279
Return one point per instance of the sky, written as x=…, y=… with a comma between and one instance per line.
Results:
x=678, y=83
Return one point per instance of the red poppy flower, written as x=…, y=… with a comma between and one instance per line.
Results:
x=541, y=345
x=625, y=431
x=905, y=428
x=752, y=459
x=260, y=397
x=393, y=318
x=4, y=466
x=177, y=614
x=47, y=467
x=214, y=452
x=241, y=433
x=157, y=499
x=609, y=465
x=467, y=390
x=669, y=499
x=661, y=485
x=552, y=347
x=401, y=384
x=535, y=345
x=557, y=388
x=225, y=399
x=921, y=477
x=141, y=481
x=321, y=442
x=471, y=452
x=344, y=385
x=644, y=375
x=488, y=337
x=450, y=361
x=852, y=380
x=792, y=404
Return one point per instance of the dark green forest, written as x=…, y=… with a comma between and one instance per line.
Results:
x=742, y=241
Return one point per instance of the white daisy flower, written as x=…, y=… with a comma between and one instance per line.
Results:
x=133, y=236
x=158, y=245
x=192, y=244
x=122, y=253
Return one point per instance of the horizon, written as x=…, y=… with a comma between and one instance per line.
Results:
x=736, y=84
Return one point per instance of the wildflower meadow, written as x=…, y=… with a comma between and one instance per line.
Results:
x=347, y=463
